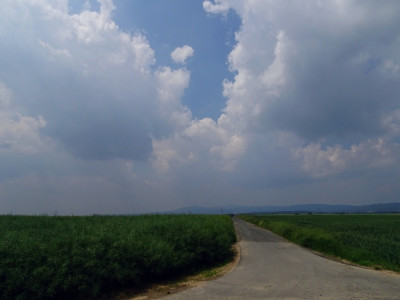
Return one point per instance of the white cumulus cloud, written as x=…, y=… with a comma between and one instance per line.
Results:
x=94, y=84
x=318, y=76
x=181, y=54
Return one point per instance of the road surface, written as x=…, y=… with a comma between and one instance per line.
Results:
x=272, y=268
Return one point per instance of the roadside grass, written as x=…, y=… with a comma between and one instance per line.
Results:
x=368, y=240
x=87, y=257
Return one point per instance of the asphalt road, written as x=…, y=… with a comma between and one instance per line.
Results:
x=271, y=268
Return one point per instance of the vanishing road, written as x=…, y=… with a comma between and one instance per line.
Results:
x=271, y=268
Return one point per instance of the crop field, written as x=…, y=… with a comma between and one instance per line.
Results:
x=369, y=240
x=86, y=257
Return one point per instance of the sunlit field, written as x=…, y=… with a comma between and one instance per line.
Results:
x=85, y=257
x=369, y=240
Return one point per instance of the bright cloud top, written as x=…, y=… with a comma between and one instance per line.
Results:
x=181, y=54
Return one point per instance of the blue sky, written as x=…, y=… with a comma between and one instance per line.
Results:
x=171, y=24
x=144, y=106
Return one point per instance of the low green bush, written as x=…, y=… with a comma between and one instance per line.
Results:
x=84, y=257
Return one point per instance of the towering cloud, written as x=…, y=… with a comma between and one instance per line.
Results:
x=93, y=84
x=79, y=96
x=325, y=72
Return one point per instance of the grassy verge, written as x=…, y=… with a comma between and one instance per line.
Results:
x=369, y=240
x=85, y=257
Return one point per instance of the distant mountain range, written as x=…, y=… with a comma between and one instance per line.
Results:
x=303, y=208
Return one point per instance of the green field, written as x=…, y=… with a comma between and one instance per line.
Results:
x=86, y=257
x=369, y=240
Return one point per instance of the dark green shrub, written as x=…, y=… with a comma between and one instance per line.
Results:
x=83, y=257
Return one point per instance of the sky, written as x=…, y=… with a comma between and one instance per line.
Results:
x=129, y=107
